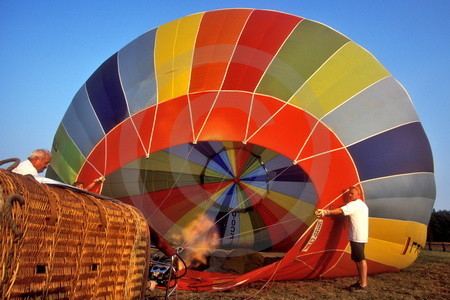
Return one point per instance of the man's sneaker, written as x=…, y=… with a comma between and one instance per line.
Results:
x=358, y=288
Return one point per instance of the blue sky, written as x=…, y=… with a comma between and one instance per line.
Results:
x=48, y=49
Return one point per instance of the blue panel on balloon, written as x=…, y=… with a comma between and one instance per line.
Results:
x=106, y=94
x=402, y=150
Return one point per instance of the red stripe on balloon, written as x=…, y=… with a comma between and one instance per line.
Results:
x=216, y=39
x=260, y=40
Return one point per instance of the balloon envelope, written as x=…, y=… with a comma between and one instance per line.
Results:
x=235, y=125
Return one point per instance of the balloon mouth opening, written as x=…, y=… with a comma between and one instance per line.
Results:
x=216, y=196
x=223, y=167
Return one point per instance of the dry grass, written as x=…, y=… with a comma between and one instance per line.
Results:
x=427, y=278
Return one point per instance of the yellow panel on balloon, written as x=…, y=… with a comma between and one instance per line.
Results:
x=348, y=72
x=174, y=47
x=246, y=233
x=394, y=242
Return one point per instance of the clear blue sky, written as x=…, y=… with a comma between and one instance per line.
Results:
x=48, y=49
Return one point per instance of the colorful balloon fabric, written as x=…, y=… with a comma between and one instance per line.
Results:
x=253, y=119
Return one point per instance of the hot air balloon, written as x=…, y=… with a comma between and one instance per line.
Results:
x=235, y=125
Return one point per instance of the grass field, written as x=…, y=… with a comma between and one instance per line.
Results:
x=427, y=278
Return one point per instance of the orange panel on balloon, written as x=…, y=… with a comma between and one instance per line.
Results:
x=331, y=174
x=123, y=146
x=201, y=104
x=97, y=159
x=216, y=39
x=88, y=174
x=346, y=267
x=261, y=39
x=242, y=158
x=263, y=109
x=144, y=121
x=173, y=124
x=272, y=222
x=230, y=114
x=321, y=140
x=286, y=132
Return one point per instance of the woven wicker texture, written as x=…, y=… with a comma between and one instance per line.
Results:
x=61, y=244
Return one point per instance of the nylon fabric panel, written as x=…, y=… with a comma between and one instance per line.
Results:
x=402, y=150
x=124, y=182
x=67, y=154
x=332, y=236
x=282, y=224
x=415, y=209
x=185, y=220
x=300, y=208
x=302, y=54
x=261, y=234
x=208, y=149
x=245, y=163
x=387, y=241
x=173, y=56
x=233, y=232
x=193, y=153
x=51, y=173
x=144, y=122
x=331, y=174
x=320, y=141
x=217, y=37
x=81, y=122
x=175, y=208
x=276, y=231
x=264, y=33
x=95, y=164
x=349, y=71
x=388, y=253
x=122, y=146
x=381, y=106
x=207, y=120
x=246, y=237
x=163, y=161
x=262, y=113
x=408, y=197
x=286, y=131
x=169, y=211
x=346, y=267
x=137, y=72
x=171, y=128
x=282, y=189
x=233, y=163
x=106, y=94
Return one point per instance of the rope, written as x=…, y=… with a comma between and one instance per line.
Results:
x=6, y=214
x=13, y=166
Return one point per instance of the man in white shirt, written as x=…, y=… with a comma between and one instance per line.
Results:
x=36, y=163
x=358, y=231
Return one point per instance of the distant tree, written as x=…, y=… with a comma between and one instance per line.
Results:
x=439, y=226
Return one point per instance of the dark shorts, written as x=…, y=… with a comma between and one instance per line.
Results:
x=357, y=251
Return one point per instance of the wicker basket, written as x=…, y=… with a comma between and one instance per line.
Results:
x=61, y=244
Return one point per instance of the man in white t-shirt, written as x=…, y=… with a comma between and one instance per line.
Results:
x=358, y=232
x=36, y=163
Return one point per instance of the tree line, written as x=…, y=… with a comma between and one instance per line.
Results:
x=439, y=226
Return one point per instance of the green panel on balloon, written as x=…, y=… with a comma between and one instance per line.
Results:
x=306, y=49
x=68, y=159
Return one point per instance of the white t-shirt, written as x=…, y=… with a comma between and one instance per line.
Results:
x=25, y=168
x=358, y=221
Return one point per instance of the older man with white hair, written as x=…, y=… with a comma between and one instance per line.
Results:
x=36, y=163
